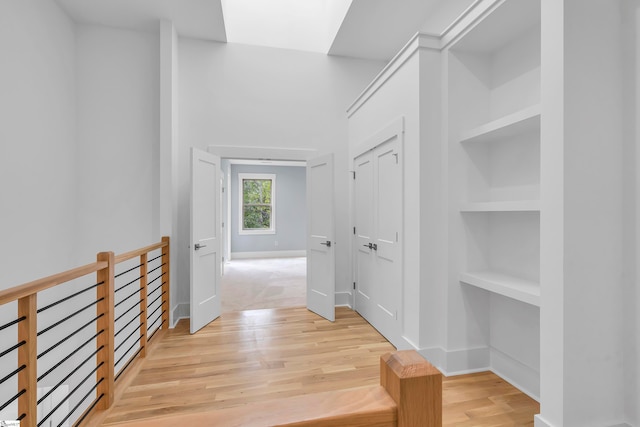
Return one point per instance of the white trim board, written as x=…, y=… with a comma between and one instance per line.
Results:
x=465, y=22
x=179, y=311
x=393, y=130
x=343, y=299
x=269, y=254
x=541, y=422
x=483, y=359
x=262, y=153
x=418, y=41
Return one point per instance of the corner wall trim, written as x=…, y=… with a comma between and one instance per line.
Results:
x=179, y=311
x=420, y=41
x=523, y=377
x=343, y=299
x=538, y=421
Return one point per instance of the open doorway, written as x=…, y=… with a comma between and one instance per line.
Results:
x=264, y=234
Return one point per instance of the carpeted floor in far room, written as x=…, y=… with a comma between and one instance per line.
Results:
x=252, y=284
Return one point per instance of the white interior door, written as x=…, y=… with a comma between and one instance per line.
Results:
x=378, y=222
x=364, y=261
x=206, y=242
x=320, y=235
x=387, y=200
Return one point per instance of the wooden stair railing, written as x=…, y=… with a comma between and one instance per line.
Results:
x=27, y=331
x=409, y=395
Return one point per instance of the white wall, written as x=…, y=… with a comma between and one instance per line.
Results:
x=255, y=96
x=630, y=220
x=118, y=139
x=290, y=211
x=37, y=140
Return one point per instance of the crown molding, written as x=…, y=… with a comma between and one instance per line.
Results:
x=422, y=41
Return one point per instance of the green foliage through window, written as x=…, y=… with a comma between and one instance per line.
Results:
x=256, y=204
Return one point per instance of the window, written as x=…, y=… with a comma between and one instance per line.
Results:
x=257, y=203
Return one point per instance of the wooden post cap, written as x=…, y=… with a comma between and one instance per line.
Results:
x=416, y=387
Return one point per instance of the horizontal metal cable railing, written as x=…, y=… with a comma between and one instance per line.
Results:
x=66, y=339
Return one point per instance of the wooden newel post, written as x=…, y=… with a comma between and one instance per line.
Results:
x=27, y=378
x=416, y=387
x=105, y=309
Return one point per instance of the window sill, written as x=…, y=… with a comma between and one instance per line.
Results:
x=255, y=232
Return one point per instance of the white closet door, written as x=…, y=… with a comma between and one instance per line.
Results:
x=364, y=234
x=378, y=219
x=387, y=220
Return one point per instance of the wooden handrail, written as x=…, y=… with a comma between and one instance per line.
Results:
x=26, y=296
x=410, y=395
x=13, y=294
x=137, y=252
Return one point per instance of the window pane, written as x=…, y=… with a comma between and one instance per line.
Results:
x=256, y=191
x=257, y=217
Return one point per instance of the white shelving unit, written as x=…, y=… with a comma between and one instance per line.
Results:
x=494, y=116
x=506, y=206
x=494, y=72
x=509, y=286
x=526, y=120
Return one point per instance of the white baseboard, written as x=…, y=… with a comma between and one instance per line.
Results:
x=538, y=421
x=268, y=254
x=436, y=356
x=518, y=374
x=467, y=361
x=343, y=299
x=179, y=311
x=482, y=359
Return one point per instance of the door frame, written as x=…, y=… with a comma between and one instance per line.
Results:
x=255, y=153
x=395, y=129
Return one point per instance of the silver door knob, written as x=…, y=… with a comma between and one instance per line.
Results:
x=199, y=246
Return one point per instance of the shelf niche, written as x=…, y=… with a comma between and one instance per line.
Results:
x=494, y=117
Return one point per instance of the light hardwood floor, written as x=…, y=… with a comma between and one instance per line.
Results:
x=260, y=355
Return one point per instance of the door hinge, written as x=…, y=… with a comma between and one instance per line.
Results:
x=354, y=285
x=223, y=187
x=354, y=231
x=396, y=156
x=223, y=227
x=354, y=174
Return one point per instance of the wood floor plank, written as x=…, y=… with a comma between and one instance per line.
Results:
x=261, y=355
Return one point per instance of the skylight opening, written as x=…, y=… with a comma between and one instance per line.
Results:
x=309, y=25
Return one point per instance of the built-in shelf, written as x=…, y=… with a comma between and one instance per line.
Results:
x=509, y=286
x=503, y=206
x=518, y=123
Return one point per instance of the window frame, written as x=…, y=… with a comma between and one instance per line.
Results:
x=256, y=176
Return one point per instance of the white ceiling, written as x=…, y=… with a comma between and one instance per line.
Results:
x=371, y=29
x=377, y=29
x=200, y=19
